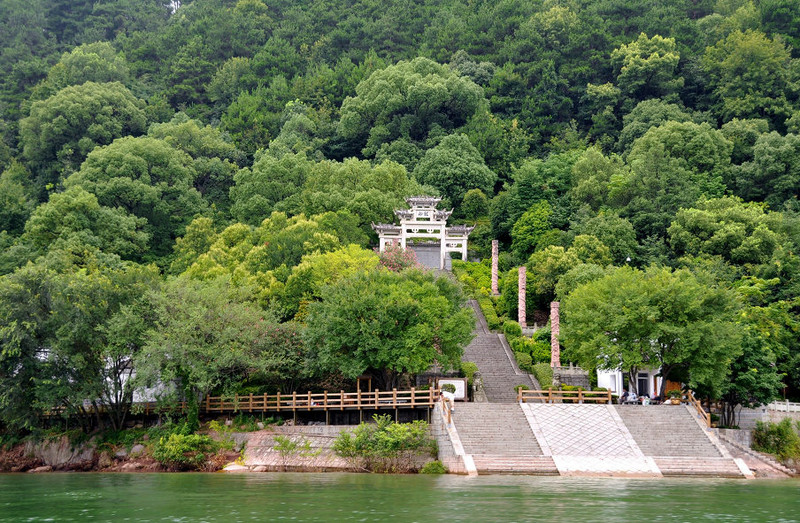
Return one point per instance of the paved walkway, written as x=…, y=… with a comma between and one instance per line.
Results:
x=587, y=439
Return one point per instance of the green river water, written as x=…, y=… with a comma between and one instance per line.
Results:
x=367, y=497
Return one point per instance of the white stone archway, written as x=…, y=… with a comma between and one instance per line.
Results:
x=424, y=220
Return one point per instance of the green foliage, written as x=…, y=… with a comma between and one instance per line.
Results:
x=408, y=100
x=512, y=329
x=149, y=179
x=468, y=369
x=529, y=229
x=387, y=324
x=632, y=319
x=455, y=167
x=524, y=360
x=62, y=130
x=448, y=387
x=184, y=451
x=289, y=447
x=433, y=467
x=538, y=350
x=741, y=233
x=490, y=313
x=750, y=74
x=385, y=446
x=543, y=373
x=780, y=439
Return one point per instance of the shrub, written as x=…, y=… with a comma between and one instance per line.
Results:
x=544, y=374
x=523, y=360
x=184, y=452
x=779, y=439
x=539, y=350
x=385, y=446
x=395, y=258
x=433, y=467
x=520, y=387
x=674, y=394
x=476, y=277
x=489, y=311
x=449, y=387
x=468, y=369
x=512, y=329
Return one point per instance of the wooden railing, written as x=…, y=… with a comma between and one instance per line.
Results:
x=699, y=407
x=311, y=401
x=447, y=409
x=564, y=396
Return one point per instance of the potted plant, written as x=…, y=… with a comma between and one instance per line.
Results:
x=674, y=396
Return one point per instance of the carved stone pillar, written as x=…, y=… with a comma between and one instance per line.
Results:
x=495, y=255
x=555, y=348
x=521, y=295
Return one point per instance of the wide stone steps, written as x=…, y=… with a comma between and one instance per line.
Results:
x=667, y=430
x=492, y=429
x=689, y=466
x=499, y=464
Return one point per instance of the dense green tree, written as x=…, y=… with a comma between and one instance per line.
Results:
x=743, y=135
x=752, y=77
x=317, y=270
x=741, y=233
x=63, y=129
x=269, y=181
x=16, y=201
x=214, y=157
x=647, y=114
x=411, y=100
x=203, y=338
x=615, y=232
x=774, y=174
x=96, y=62
x=659, y=319
x=149, y=179
x=671, y=167
x=388, y=324
x=77, y=214
x=647, y=68
x=455, y=167
x=529, y=229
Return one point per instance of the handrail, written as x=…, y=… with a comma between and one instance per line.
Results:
x=304, y=401
x=700, y=410
x=565, y=396
x=447, y=408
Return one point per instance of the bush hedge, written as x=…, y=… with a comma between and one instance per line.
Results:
x=544, y=374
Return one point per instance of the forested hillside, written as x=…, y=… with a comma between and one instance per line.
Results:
x=189, y=186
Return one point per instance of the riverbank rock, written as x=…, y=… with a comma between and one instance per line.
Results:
x=62, y=453
x=43, y=468
x=233, y=467
x=131, y=466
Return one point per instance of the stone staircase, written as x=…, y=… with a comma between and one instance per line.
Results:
x=668, y=430
x=677, y=442
x=504, y=437
x=500, y=440
x=496, y=363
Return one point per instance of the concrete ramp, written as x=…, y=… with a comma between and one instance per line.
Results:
x=587, y=440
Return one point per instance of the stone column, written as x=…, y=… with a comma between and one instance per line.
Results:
x=495, y=256
x=555, y=348
x=521, y=296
